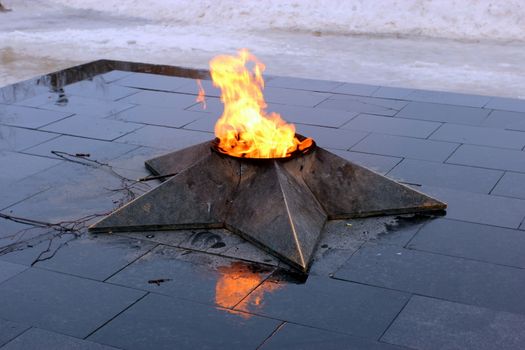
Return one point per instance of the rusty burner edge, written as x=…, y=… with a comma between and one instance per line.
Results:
x=295, y=154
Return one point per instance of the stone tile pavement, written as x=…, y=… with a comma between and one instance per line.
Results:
x=71, y=156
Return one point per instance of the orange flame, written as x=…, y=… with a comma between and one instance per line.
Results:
x=245, y=129
x=201, y=98
x=237, y=283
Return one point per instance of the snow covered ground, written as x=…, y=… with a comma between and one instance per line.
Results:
x=473, y=46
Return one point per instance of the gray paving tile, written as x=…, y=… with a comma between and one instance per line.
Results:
x=16, y=166
x=392, y=92
x=152, y=81
x=292, y=336
x=76, y=191
x=43, y=98
x=511, y=185
x=159, y=322
x=98, y=88
x=88, y=106
x=356, y=89
x=206, y=123
x=214, y=106
x=380, y=164
x=193, y=276
x=450, y=98
x=41, y=339
x=398, y=146
x=522, y=226
x=14, y=192
x=91, y=127
x=439, y=276
x=62, y=303
x=427, y=324
x=131, y=164
x=158, y=116
x=16, y=139
x=331, y=138
x=444, y=113
x=97, y=149
x=8, y=270
x=294, y=97
x=312, y=116
x=369, y=105
x=476, y=135
x=165, y=138
x=504, y=119
x=114, y=75
x=446, y=175
x=12, y=232
x=192, y=87
x=480, y=208
x=161, y=99
x=488, y=157
x=96, y=257
x=29, y=117
x=328, y=304
x=517, y=126
x=506, y=104
x=473, y=241
x=392, y=126
x=10, y=330
x=303, y=84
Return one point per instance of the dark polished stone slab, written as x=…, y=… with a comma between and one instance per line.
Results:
x=9, y=270
x=91, y=127
x=303, y=84
x=312, y=116
x=463, y=178
x=41, y=339
x=292, y=336
x=480, y=208
x=65, y=304
x=330, y=137
x=439, y=276
x=22, y=165
x=488, y=157
x=444, y=113
x=152, y=82
x=398, y=146
x=98, y=87
x=160, y=99
x=193, y=276
x=367, y=105
x=99, y=150
x=294, y=97
x=325, y=303
x=480, y=136
x=160, y=116
x=473, y=241
x=88, y=106
x=10, y=330
x=17, y=139
x=398, y=93
x=96, y=257
x=356, y=89
x=380, y=164
x=164, y=138
x=511, y=185
x=429, y=324
x=450, y=98
x=505, y=120
x=392, y=126
x=29, y=117
x=506, y=104
x=159, y=322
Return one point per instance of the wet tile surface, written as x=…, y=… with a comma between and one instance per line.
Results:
x=439, y=276
x=444, y=113
x=408, y=147
x=292, y=336
x=466, y=268
x=41, y=339
x=427, y=323
x=28, y=117
x=10, y=330
x=160, y=322
x=473, y=241
x=464, y=178
x=324, y=303
x=68, y=305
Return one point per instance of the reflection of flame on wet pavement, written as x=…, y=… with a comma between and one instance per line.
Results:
x=238, y=282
